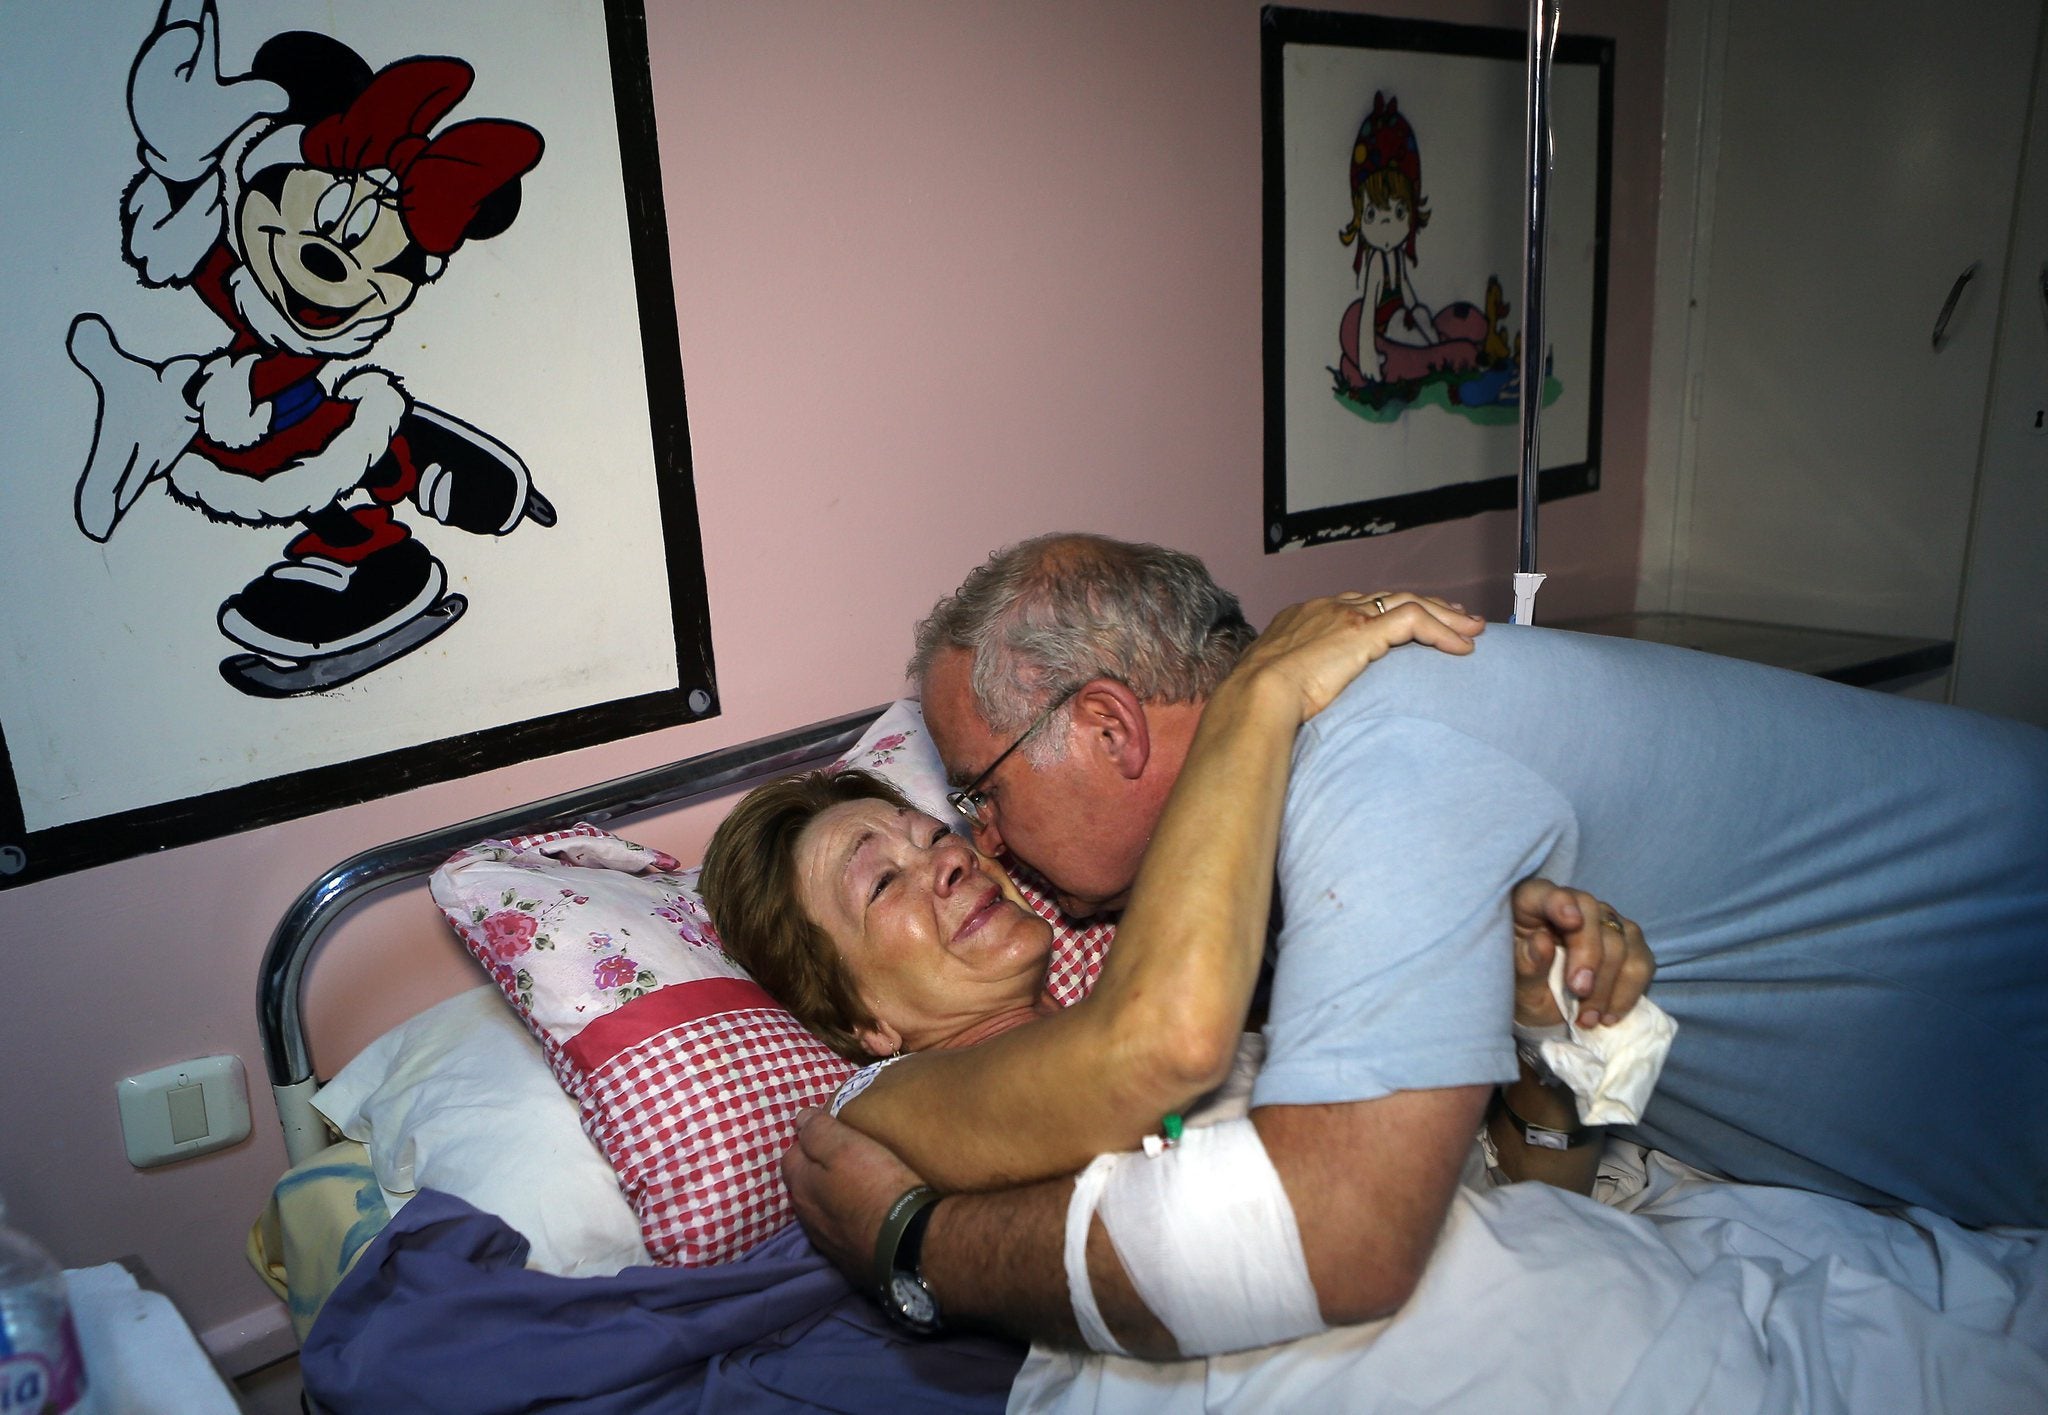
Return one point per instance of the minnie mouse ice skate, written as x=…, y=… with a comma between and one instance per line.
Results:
x=328, y=613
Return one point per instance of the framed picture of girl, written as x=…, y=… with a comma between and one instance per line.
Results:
x=1394, y=190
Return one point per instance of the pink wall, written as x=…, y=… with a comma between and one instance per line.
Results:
x=948, y=275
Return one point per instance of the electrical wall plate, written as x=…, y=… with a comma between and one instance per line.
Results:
x=176, y=1112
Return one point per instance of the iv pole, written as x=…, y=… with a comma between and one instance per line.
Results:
x=1543, y=16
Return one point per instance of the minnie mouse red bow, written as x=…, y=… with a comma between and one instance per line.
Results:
x=442, y=181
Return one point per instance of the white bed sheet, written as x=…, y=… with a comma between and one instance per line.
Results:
x=1690, y=1295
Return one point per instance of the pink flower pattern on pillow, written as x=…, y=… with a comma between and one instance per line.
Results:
x=693, y=925
x=614, y=970
x=882, y=752
x=899, y=749
x=508, y=933
x=510, y=927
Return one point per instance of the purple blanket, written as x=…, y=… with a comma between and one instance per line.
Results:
x=439, y=1314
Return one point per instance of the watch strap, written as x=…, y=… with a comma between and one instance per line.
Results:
x=910, y=1248
x=908, y=1206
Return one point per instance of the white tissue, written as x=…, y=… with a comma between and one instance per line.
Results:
x=1610, y=1069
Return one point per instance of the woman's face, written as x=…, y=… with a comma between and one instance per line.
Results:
x=935, y=946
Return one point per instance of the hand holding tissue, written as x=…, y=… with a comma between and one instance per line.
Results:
x=1611, y=1069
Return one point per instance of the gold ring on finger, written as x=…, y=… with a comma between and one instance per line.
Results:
x=1612, y=920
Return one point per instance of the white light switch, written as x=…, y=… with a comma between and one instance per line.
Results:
x=176, y=1112
x=188, y=1113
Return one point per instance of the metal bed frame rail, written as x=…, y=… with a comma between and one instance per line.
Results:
x=279, y=1003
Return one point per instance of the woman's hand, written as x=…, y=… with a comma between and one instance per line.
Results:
x=1319, y=646
x=1608, y=966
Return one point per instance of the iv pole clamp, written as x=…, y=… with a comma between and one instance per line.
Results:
x=1543, y=16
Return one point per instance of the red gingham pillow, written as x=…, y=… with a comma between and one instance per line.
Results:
x=687, y=1075
x=1077, y=948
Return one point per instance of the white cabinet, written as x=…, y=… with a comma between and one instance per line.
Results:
x=1840, y=174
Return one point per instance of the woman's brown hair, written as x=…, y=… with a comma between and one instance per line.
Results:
x=749, y=884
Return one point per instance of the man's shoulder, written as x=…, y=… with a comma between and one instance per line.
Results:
x=1418, y=715
x=1418, y=682
x=1525, y=671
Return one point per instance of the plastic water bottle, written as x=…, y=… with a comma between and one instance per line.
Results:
x=41, y=1372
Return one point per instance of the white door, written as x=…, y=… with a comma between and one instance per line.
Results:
x=2002, y=645
x=1868, y=158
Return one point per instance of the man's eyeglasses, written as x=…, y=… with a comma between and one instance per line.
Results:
x=969, y=801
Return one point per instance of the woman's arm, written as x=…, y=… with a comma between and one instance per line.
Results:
x=1161, y=1025
x=1618, y=969
x=1552, y=1108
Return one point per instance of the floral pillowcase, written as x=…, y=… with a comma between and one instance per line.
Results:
x=687, y=1075
x=577, y=924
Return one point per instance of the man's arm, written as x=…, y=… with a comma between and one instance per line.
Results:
x=1369, y=1182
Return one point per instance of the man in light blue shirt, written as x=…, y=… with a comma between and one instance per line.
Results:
x=1847, y=894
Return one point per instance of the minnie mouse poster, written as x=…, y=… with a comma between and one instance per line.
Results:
x=306, y=203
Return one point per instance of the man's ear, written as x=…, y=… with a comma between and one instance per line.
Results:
x=1116, y=726
x=880, y=1040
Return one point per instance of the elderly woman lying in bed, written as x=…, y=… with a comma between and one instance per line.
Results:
x=886, y=934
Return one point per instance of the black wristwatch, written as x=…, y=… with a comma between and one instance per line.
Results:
x=899, y=1281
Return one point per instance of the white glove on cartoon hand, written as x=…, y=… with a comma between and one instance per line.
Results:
x=184, y=111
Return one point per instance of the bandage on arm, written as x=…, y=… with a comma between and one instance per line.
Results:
x=1207, y=1236
x=1364, y=1188
x=1368, y=1182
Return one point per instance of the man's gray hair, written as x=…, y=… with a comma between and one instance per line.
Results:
x=1046, y=615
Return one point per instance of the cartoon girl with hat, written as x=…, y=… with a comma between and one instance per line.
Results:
x=1388, y=210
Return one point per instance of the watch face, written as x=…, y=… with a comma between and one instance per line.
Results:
x=913, y=1302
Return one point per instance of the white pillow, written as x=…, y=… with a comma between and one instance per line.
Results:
x=460, y=1099
x=898, y=748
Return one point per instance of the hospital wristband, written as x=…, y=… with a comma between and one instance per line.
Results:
x=1543, y=1137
